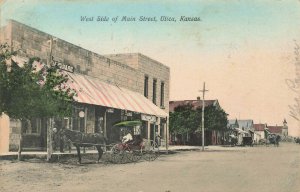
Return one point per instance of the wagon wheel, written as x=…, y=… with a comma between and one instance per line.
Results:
x=116, y=155
x=134, y=156
x=150, y=155
x=152, y=152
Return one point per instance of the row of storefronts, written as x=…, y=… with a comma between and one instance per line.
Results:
x=99, y=106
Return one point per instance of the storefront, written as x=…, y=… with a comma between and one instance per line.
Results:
x=98, y=107
x=104, y=105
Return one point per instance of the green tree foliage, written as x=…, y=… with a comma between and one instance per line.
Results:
x=186, y=119
x=33, y=90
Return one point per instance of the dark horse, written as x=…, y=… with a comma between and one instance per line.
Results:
x=274, y=139
x=80, y=139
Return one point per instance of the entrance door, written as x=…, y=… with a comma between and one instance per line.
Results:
x=153, y=130
x=144, y=129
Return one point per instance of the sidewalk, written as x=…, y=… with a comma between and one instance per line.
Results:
x=172, y=148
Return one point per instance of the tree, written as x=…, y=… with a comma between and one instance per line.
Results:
x=31, y=89
x=185, y=119
x=215, y=118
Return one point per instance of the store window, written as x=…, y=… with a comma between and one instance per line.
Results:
x=32, y=127
x=162, y=94
x=146, y=86
x=154, y=91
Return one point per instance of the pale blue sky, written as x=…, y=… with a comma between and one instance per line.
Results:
x=242, y=49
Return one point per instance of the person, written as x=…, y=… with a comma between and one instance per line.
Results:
x=127, y=138
x=157, y=139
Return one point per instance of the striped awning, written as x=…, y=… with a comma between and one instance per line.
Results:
x=93, y=91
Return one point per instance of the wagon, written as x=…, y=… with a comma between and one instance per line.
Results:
x=247, y=141
x=134, y=150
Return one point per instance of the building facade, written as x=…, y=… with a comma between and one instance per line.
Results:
x=128, y=72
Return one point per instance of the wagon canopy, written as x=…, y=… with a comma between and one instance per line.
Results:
x=128, y=123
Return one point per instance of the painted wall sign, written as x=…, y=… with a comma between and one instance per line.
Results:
x=63, y=66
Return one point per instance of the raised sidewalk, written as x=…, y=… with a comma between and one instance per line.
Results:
x=171, y=149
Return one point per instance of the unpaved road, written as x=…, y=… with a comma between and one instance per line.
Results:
x=260, y=169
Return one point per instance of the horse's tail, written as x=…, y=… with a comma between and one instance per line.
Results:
x=105, y=140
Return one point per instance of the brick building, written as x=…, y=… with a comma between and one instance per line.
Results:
x=142, y=79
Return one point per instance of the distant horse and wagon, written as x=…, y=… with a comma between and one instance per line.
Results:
x=271, y=139
x=297, y=140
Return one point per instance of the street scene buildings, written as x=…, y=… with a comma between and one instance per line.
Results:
x=101, y=96
x=113, y=88
x=110, y=89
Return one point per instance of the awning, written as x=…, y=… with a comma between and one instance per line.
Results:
x=93, y=91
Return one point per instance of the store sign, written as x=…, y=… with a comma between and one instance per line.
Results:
x=110, y=110
x=81, y=114
x=64, y=67
x=129, y=114
x=148, y=118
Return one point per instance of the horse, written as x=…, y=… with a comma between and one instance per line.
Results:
x=274, y=139
x=80, y=139
x=233, y=140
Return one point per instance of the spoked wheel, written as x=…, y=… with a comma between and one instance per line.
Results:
x=152, y=151
x=116, y=155
x=150, y=155
x=119, y=158
x=134, y=156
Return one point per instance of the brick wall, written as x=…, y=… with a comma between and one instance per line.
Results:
x=36, y=44
x=124, y=70
x=153, y=69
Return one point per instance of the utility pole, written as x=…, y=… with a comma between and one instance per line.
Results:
x=203, y=103
x=50, y=121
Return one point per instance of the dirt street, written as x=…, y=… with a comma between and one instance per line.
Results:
x=263, y=169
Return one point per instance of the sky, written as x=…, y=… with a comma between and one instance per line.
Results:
x=243, y=50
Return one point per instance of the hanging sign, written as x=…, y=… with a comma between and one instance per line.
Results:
x=129, y=114
x=81, y=114
x=110, y=110
x=148, y=118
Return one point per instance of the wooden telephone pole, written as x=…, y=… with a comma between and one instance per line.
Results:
x=203, y=103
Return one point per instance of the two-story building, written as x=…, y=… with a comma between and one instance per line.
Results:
x=110, y=88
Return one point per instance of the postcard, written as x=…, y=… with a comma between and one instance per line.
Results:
x=163, y=96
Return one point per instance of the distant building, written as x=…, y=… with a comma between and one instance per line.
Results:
x=285, y=129
x=212, y=137
x=280, y=130
x=241, y=128
x=194, y=103
x=259, y=131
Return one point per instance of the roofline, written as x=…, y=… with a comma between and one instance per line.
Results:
x=195, y=100
x=140, y=55
x=97, y=54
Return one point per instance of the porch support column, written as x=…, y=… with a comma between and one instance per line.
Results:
x=149, y=129
x=85, y=122
x=104, y=127
x=167, y=134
